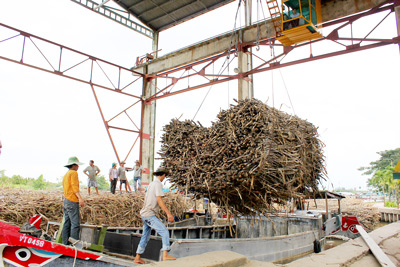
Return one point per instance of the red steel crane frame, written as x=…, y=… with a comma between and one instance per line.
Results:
x=356, y=44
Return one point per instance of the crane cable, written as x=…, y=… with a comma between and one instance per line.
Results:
x=234, y=32
x=219, y=74
x=226, y=59
x=272, y=83
x=284, y=83
x=287, y=92
x=258, y=27
x=228, y=87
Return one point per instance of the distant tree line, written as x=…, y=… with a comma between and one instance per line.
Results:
x=41, y=184
x=382, y=175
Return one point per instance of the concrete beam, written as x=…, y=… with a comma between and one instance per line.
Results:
x=207, y=48
x=331, y=10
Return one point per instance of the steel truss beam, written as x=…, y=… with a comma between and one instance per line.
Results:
x=189, y=70
x=356, y=44
x=109, y=13
x=97, y=71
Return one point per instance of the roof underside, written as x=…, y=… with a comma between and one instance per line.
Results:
x=327, y=195
x=160, y=15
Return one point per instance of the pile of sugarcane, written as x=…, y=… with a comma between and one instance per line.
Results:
x=251, y=157
x=18, y=205
x=124, y=210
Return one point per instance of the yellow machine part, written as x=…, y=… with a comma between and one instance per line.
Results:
x=397, y=167
x=310, y=19
x=298, y=35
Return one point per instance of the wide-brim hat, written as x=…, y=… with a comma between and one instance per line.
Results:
x=161, y=171
x=72, y=161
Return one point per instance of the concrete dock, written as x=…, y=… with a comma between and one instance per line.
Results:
x=354, y=253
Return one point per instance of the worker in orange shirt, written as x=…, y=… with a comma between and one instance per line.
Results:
x=72, y=201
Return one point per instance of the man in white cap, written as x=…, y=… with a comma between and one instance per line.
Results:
x=152, y=203
x=72, y=201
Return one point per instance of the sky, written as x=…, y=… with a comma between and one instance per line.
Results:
x=44, y=118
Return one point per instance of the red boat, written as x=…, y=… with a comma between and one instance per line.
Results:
x=19, y=249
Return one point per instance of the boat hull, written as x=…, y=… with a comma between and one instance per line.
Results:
x=267, y=249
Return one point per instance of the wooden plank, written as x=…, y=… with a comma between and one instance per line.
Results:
x=382, y=258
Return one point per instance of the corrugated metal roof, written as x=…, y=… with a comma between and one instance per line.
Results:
x=161, y=14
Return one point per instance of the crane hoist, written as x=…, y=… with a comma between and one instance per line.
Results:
x=298, y=22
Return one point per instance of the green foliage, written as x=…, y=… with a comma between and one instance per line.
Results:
x=103, y=184
x=19, y=180
x=388, y=158
x=382, y=173
x=26, y=183
x=391, y=204
x=382, y=179
x=39, y=184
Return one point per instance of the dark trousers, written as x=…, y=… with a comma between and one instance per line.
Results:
x=113, y=185
x=72, y=221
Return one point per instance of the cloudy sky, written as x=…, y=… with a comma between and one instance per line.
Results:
x=44, y=118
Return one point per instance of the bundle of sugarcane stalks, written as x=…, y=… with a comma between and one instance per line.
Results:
x=251, y=157
x=18, y=205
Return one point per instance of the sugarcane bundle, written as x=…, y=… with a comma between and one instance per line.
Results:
x=123, y=210
x=251, y=157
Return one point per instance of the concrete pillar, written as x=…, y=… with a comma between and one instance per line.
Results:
x=244, y=84
x=148, y=124
x=245, y=61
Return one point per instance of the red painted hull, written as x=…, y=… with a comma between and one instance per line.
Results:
x=24, y=250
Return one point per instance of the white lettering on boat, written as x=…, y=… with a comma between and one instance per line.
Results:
x=31, y=240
